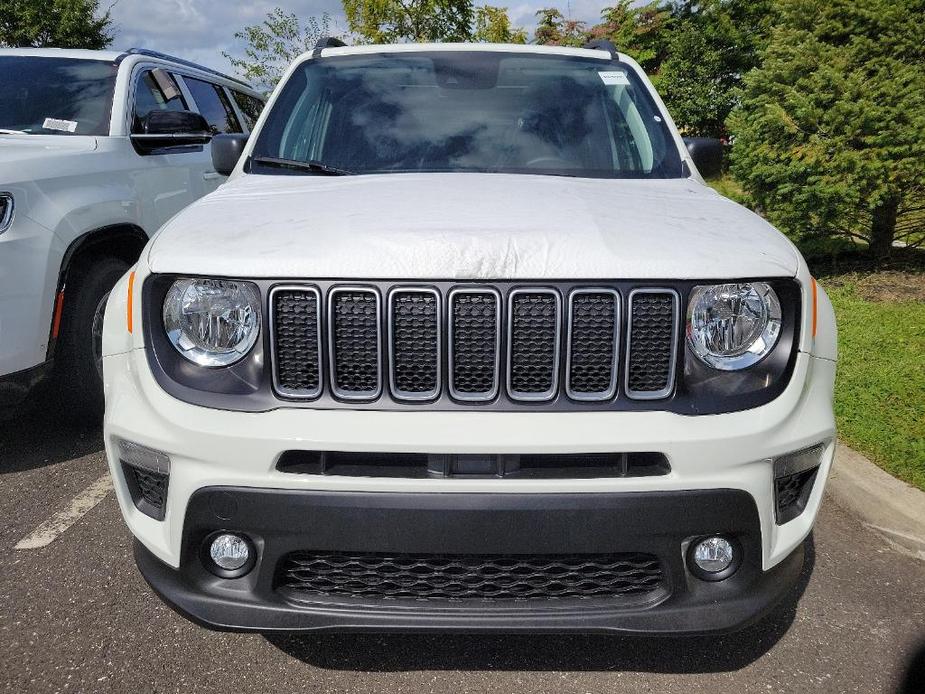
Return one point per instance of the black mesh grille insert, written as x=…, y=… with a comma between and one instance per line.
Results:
x=474, y=343
x=295, y=335
x=592, y=344
x=148, y=490
x=355, y=340
x=415, y=343
x=651, y=344
x=792, y=493
x=468, y=577
x=534, y=343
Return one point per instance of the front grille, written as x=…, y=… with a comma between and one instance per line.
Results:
x=653, y=318
x=307, y=574
x=355, y=342
x=451, y=345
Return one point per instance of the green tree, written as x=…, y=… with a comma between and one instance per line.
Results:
x=830, y=134
x=712, y=45
x=554, y=29
x=640, y=32
x=57, y=23
x=492, y=25
x=391, y=21
x=274, y=43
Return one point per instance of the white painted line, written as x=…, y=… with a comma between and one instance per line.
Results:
x=51, y=529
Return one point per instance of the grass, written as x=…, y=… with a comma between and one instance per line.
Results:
x=880, y=386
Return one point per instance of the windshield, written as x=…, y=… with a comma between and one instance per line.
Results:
x=467, y=111
x=56, y=96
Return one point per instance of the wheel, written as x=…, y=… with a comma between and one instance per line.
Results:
x=79, y=353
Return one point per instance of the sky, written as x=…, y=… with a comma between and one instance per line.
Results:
x=199, y=30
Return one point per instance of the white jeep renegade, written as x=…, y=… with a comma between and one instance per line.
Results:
x=97, y=150
x=465, y=343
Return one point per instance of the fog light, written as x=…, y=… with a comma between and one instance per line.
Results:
x=229, y=555
x=713, y=558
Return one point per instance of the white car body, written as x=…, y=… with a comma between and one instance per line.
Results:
x=529, y=230
x=73, y=190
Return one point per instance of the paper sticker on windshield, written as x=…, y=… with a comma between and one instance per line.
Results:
x=67, y=126
x=614, y=77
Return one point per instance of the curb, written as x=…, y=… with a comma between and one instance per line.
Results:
x=884, y=504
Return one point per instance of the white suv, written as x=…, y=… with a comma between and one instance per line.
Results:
x=465, y=343
x=97, y=150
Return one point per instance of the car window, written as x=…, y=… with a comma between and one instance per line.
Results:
x=156, y=90
x=214, y=106
x=250, y=106
x=56, y=96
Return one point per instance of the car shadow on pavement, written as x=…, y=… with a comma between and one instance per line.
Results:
x=39, y=436
x=688, y=654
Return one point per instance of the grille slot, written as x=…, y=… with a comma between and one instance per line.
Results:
x=355, y=343
x=593, y=337
x=296, y=335
x=148, y=490
x=302, y=575
x=651, y=343
x=533, y=344
x=414, y=343
x=474, y=343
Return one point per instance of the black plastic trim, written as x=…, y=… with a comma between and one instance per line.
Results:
x=247, y=385
x=658, y=523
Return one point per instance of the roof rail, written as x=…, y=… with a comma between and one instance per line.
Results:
x=603, y=45
x=180, y=61
x=328, y=42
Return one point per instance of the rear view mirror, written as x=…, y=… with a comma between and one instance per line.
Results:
x=226, y=150
x=707, y=153
x=161, y=129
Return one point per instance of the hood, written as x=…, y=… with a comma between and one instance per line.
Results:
x=30, y=157
x=471, y=227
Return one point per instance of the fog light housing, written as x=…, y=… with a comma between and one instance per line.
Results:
x=714, y=558
x=228, y=555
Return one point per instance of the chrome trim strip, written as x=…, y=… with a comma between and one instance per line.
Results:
x=612, y=389
x=493, y=393
x=396, y=392
x=271, y=311
x=353, y=394
x=548, y=394
x=664, y=392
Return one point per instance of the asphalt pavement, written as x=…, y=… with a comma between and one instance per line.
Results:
x=75, y=615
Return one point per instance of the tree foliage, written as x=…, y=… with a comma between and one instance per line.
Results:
x=492, y=25
x=830, y=134
x=57, y=23
x=553, y=29
x=391, y=21
x=274, y=43
x=640, y=32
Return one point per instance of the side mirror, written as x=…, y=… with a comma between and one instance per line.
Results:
x=226, y=150
x=707, y=153
x=161, y=129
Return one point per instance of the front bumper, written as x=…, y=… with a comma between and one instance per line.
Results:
x=658, y=523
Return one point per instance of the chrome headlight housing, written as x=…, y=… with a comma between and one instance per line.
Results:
x=212, y=322
x=733, y=326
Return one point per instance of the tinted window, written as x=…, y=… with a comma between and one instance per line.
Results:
x=214, y=106
x=156, y=90
x=56, y=96
x=250, y=106
x=471, y=111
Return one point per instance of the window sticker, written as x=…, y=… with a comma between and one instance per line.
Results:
x=614, y=77
x=67, y=126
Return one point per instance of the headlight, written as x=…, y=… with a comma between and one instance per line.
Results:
x=212, y=322
x=733, y=326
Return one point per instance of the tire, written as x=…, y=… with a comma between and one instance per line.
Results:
x=78, y=359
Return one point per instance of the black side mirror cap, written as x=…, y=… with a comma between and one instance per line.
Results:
x=160, y=129
x=226, y=150
x=707, y=153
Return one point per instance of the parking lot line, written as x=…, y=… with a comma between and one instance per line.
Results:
x=51, y=529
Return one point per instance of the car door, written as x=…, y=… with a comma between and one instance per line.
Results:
x=214, y=104
x=169, y=178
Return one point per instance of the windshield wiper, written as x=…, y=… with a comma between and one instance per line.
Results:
x=7, y=131
x=311, y=165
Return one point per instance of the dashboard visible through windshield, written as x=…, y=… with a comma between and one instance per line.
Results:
x=459, y=111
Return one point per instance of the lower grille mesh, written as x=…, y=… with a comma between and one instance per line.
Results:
x=468, y=577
